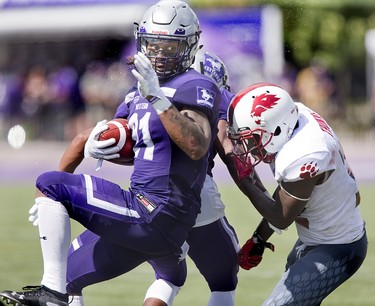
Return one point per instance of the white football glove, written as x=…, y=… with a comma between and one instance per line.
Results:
x=101, y=149
x=33, y=215
x=148, y=82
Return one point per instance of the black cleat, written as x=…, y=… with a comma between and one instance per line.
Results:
x=34, y=296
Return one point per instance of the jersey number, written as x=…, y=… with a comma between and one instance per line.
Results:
x=141, y=127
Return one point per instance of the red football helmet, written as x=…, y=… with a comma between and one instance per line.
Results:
x=261, y=119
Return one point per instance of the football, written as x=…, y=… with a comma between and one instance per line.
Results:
x=119, y=130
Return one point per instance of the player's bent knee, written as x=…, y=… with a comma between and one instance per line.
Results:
x=49, y=183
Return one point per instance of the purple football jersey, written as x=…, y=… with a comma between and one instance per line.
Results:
x=164, y=176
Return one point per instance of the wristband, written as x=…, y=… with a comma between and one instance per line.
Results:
x=152, y=99
x=160, y=105
x=258, y=239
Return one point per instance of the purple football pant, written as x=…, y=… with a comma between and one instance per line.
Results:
x=121, y=235
x=312, y=273
x=214, y=249
x=93, y=259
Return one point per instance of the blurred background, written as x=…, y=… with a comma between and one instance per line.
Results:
x=63, y=63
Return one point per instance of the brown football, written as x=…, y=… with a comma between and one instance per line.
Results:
x=120, y=130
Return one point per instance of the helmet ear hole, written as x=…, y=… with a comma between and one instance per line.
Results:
x=277, y=131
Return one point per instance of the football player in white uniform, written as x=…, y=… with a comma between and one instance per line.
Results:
x=316, y=190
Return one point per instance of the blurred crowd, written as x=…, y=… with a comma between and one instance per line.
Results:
x=56, y=101
x=55, y=104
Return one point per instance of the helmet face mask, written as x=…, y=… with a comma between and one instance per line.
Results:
x=166, y=47
x=165, y=53
x=262, y=117
x=249, y=147
x=168, y=35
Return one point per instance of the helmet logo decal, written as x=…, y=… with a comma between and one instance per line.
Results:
x=262, y=103
x=213, y=68
x=308, y=170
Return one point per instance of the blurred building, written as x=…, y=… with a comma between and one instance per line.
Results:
x=47, y=46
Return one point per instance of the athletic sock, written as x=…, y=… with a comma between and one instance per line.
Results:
x=221, y=298
x=54, y=235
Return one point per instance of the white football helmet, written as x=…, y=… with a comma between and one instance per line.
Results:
x=168, y=35
x=261, y=119
x=212, y=66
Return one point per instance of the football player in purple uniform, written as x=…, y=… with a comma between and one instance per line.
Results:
x=211, y=234
x=173, y=113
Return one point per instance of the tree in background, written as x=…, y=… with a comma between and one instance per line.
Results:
x=330, y=33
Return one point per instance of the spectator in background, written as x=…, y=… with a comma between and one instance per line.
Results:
x=315, y=88
x=119, y=81
x=102, y=88
x=10, y=100
x=35, y=100
x=61, y=82
x=288, y=78
x=93, y=92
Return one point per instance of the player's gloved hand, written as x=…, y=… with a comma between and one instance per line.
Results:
x=251, y=253
x=148, y=82
x=33, y=215
x=101, y=149
x=244, y=170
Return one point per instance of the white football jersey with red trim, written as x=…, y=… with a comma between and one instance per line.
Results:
x=331, y=216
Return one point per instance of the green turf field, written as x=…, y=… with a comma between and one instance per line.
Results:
x=21, y=262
